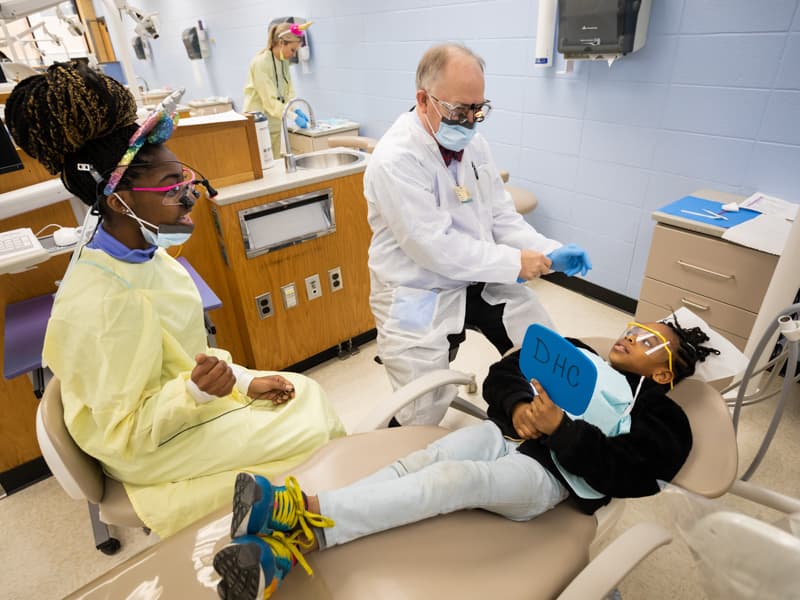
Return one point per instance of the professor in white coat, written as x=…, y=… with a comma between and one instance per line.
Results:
x=448, y=248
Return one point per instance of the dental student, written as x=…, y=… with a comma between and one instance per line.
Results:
x=448, y=248
x=269, y=82
x=167, y=415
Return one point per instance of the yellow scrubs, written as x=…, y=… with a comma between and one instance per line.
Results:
x=122, y=339
x=269, y=87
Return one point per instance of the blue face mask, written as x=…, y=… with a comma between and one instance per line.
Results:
x=165, y=235
x=452, y=136
x=168, y=235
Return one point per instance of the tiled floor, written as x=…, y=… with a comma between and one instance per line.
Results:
x=47, y=549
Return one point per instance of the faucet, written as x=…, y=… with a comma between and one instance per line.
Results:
x=288, y=157
x=144, y=81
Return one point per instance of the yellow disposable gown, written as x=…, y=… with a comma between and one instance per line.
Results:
x=269, y=87
x=122, y=339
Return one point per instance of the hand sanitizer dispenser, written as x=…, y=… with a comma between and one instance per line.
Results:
x=601, y=29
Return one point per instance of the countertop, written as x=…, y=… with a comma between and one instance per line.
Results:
x=276, y=179
x=694, y=225
x=325, y=127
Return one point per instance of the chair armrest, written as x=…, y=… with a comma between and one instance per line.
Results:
x=379, y=416
x=765, y=497
x=357, y=142
x=616, y=560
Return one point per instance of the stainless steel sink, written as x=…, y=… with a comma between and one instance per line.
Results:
x=326, y=160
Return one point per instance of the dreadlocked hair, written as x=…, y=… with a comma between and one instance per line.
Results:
x=72, y=114
x=690, y=351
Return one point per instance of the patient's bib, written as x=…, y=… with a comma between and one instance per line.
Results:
x=608, y=410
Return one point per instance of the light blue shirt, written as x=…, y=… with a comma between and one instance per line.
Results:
x=104, y=241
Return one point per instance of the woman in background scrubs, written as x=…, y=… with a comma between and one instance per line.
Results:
x=269, y=82
x=170, y=417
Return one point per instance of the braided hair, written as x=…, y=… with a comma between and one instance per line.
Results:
x=72, y=114
x=689, y=351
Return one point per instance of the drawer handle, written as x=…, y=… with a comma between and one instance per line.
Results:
x=702, y=270
x=694, y=304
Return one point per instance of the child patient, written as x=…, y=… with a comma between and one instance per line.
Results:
x=529, y=456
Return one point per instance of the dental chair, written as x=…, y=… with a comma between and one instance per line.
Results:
x=81, y=475
x=467, y=554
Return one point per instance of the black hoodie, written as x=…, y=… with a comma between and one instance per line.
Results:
x=623, y=466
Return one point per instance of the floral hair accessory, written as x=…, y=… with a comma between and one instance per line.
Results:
x=155, y=129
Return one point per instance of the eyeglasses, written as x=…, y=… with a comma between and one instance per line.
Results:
x=460, y=113
x=178, y=194
x=650, y=339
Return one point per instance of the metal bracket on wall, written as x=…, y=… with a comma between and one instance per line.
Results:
x=346, y=349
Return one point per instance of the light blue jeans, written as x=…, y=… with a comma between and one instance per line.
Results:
x=473, y=467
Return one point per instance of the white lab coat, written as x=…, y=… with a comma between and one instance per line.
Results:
x=428, y=247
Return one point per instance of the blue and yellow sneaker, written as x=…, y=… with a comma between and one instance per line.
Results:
x=261, y=508
x=252, y=567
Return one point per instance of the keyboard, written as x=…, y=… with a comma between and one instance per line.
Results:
x=19, y=250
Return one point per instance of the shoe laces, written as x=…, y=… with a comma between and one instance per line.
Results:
x=286, y=547
x=290, y=508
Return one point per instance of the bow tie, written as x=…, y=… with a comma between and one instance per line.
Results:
x=448, y=155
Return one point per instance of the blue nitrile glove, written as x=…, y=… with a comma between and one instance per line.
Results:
x=570, y=259
x=301, y=120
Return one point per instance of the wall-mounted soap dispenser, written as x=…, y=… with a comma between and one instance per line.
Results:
x=601, y=29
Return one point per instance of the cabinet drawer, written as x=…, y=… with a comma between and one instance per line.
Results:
x=717, y=314
x=709, y=266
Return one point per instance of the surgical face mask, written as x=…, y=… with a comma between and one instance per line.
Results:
x=450, y=136
x=165, y=235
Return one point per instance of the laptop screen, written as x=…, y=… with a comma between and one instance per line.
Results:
x=9, y=159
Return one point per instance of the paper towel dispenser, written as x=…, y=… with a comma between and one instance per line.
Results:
x=195, y=40
x=601, y=29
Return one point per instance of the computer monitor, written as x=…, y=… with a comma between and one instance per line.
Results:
x=9, y=159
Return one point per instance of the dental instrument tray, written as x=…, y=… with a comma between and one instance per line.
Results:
x=565, y=372
x=707, y=211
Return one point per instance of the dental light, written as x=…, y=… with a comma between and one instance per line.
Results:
x=74, y=25
x=146, y=25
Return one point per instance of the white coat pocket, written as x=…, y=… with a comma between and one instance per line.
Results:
x=413, y=309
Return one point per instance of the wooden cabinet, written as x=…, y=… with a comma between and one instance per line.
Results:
x=722, y=282
x=291, y=335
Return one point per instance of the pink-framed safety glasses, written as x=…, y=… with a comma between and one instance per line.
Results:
x=177, y=194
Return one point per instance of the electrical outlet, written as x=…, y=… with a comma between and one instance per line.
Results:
x=264, y=305
x=335, y=279
x=289, y=294
x=313, y=287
